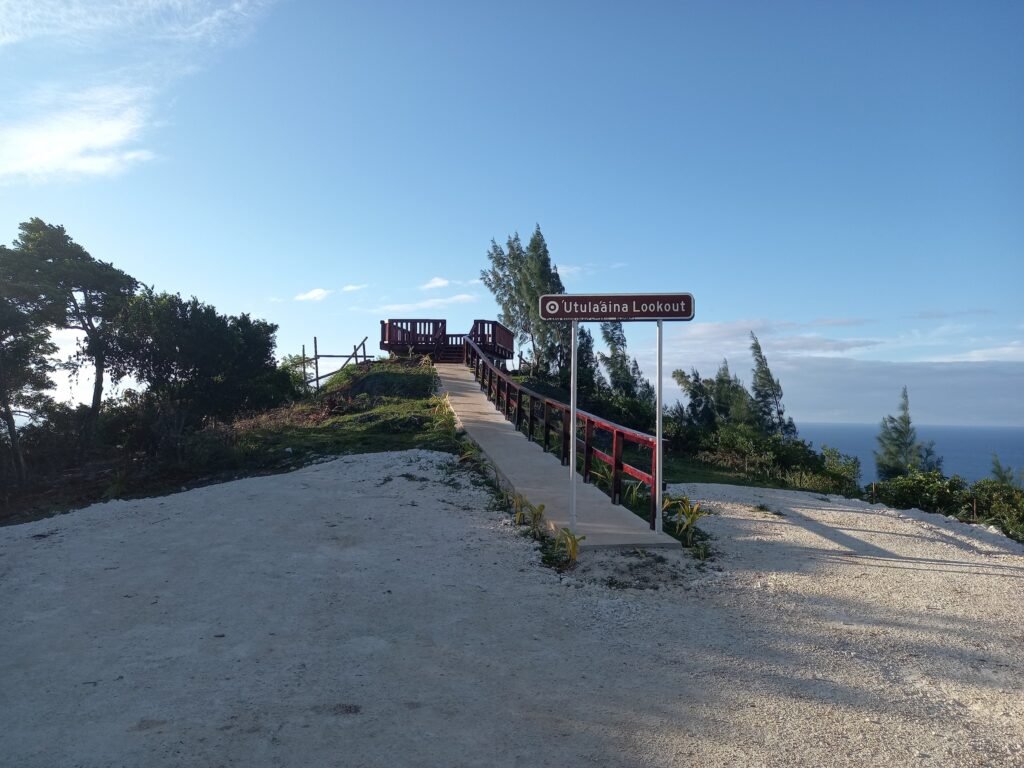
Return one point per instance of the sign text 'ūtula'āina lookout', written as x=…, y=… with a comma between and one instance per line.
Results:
x=625, y=307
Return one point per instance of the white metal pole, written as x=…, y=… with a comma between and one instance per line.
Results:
x=572, y=433
x=659, y=474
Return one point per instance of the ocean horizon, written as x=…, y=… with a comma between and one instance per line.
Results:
x=965, y=451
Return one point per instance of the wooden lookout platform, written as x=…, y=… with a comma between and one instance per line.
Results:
x=431, y=337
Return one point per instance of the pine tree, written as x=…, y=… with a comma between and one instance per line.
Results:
x=900, y=452
x=767, y=394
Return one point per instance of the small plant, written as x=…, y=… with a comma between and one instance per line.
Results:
x=519, y=505
x=631, y=493
x=535, y=515
x=570, y=542
x=762, y=507
x=701, y=551
x=686, y=516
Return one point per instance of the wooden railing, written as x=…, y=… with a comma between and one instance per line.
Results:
x=412, y=333
x=492, y=334
x=529, y=410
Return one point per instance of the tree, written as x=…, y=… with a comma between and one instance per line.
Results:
x=616, y=360
x=197, y=363
x=26, y=314
x=900, y=453
x=590, y=383
x=767, y=396
x=90, y=295
x=1003, y=473
x=700, y=406
x=518, y=277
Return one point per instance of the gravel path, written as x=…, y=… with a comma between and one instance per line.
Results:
x=373, y=611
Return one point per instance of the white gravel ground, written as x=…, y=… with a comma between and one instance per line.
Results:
x=373, y=611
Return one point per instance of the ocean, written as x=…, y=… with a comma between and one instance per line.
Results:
x=966, y=451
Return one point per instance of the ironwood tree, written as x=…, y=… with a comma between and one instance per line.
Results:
x=899, y=451
x=518, y=277
x=767, y=396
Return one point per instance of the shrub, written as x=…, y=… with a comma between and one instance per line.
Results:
x=929, y=491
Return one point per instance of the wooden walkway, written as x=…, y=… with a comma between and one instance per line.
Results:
x=538, y=476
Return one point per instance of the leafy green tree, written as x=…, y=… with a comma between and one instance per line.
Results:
x=197, y=363
x=517, y=278
x=89, y=293
x=767, y=396
x=26, y=314
x=899, y=451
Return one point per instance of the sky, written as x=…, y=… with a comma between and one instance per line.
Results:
x=846, y=180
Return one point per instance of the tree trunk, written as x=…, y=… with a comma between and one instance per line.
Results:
x=89, y=428
x=20, y=471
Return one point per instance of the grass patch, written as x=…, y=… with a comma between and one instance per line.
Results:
x=682, y=469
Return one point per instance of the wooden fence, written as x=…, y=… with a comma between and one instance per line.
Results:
x=356, y=356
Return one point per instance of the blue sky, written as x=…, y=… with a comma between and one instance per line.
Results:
x=844, y=179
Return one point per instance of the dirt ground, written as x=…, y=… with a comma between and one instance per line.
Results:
x=377, y=611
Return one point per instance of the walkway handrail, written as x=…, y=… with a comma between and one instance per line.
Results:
x=491, y=333
x=508, y=397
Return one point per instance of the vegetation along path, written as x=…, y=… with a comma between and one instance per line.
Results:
x=538, y=476
x=379, y=610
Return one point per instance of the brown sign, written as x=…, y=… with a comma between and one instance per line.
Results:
x=616, y=306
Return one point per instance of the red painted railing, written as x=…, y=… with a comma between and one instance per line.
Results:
x=412, y=333
x=490, y=334
x=529, y=410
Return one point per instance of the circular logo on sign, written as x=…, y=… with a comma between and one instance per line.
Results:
x=552, y=307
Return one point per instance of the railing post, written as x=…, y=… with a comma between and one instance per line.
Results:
x=588, y=449
x=531, y=419
x=519, y=409
x=316, y=364
x=547, y=426
x=617, y=442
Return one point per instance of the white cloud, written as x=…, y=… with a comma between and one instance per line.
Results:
x=568, y=269
x=435, y=282
x=352, y=288
x=1011, y=352
x=91, y=21
x=85, y=109
x=95, y=133
x=461, y=298
x=317, y=294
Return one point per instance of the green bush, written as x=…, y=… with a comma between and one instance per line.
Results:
x=928, y=491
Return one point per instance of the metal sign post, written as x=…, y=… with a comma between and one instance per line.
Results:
x=659, y=467
x=572, y=432
x=603, y=307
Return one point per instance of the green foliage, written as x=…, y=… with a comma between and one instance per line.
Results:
x=899, y=451
x=569, y=543
x=87, y=295
x=1005, y=475
x=535, y=520
x=197, y=362
x=26, y=314
x=989, y=501
x=518, y=277
x=684, y=516
x=767, y=396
